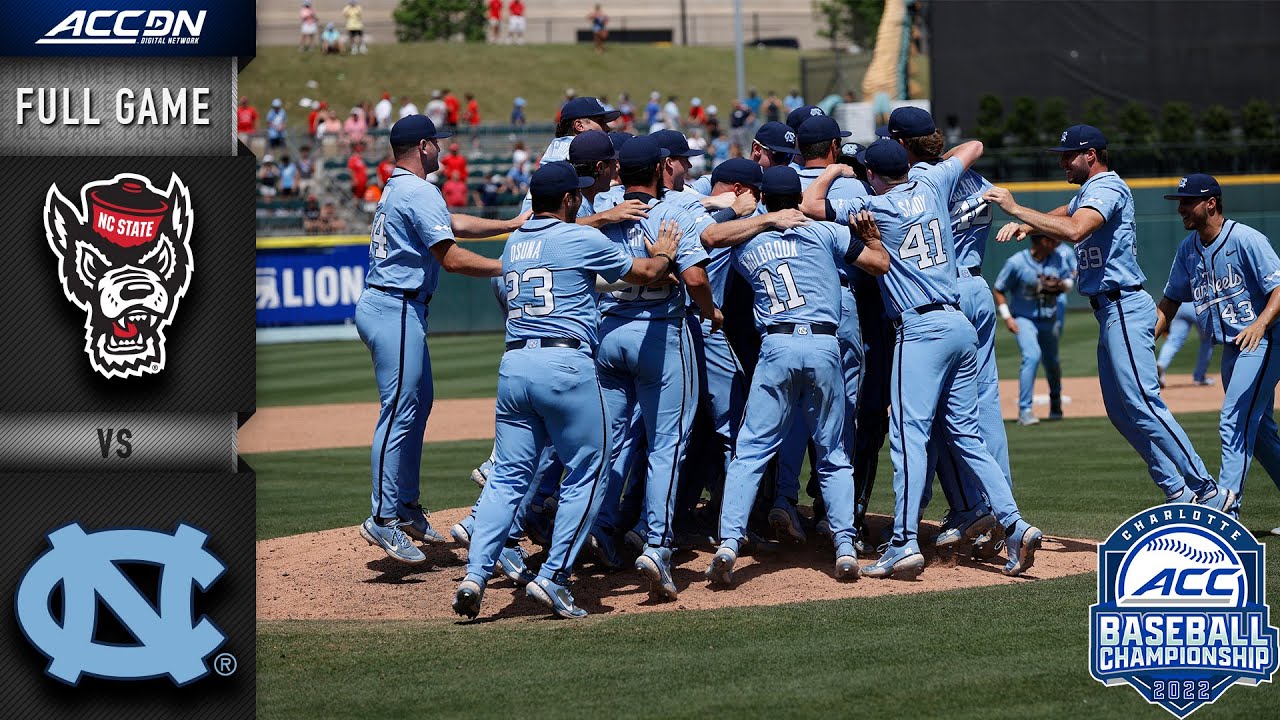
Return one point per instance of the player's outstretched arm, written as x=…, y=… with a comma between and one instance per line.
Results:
x=459, y=260
x=814, y=201
x=625, y=210
x=865, y=247
x=1002, y=307
x=736, y=232
x=967, y=153
x=699, y=287
x=470, y=226
x=1251, y=336
x=1068, y=228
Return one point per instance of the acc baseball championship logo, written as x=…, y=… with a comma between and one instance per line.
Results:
x=83, y=564
x=1181, y=613
x=125, y=259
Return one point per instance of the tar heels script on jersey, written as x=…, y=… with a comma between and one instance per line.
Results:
x=1181, y=613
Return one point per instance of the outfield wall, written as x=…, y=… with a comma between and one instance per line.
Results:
x=315, y=281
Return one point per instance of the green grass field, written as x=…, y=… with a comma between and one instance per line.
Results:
x=498, y=74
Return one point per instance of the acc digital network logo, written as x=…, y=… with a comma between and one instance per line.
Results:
x=170, y=640
x=1181, y=613
x=127, y=27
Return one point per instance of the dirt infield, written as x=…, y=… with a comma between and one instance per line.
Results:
x=311, y=427
x=334, y=574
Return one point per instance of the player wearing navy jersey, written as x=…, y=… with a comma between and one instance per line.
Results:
x=799, y=378
x=1099, y=222
x=935, y=362
x=411, y=240
x=1230, y=274
x=548, y=389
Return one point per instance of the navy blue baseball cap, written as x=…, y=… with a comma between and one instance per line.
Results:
x=885, y=158
x=590, y=147
x=641, y=152
x=1080, y=137
x=675, y=143
x=777, y=137
x=410, y=129
x=738, y=170
x=1196, y=185
x=909, y=121
x=882, y=132
x=853, y=151
x=781, y=180
x=619, y=138
x=820, y=128
x=557, y=178
x=588, y=107
x=796, y=117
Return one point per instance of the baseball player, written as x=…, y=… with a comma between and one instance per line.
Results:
x=411, y=240
x=1069, y=257
x=1026, y=294
x=577, y=116
x=548, y=389
x=1099, y=222
x=797, y=303
x=646, y=354
x=1179, y=329
x=935, y=362
x=1230, y=274
x=774, y=144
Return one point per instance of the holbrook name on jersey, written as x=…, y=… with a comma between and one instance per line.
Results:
x=775, y=250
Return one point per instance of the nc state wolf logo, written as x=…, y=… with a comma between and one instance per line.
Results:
x=125, y=259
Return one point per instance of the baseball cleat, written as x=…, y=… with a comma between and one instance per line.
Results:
x=847, y=562
x=902, y=561
x=557, y=597
x=1221, y=500
x=989, y=544
x=539, y=524
x=461, y=533
x=1275, y=531
x=966, y=525
x=1023, y=544
x=392, y=540
x=417, y=526
x=655, y=565
x=1186, y=495
x=480, y=475
x=785, y=522
x=720, y=572
x=1026, y=417
x=635, y=541
x=605, y=549
x=859, y=547
x=466, y=600
x=511, y=562
x=1204, y=382
x=823, y=529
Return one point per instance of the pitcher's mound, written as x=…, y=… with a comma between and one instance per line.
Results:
x=335, y=574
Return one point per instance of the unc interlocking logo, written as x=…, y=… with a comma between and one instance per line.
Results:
x=1182, y=183
x=1064, y=137
x=124, y=257
x=1181, y=613
x=790, y=137
x=171, y=642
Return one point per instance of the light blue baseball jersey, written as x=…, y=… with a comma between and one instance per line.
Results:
x=1019, y=280
x=1108, y=258
x=411, y=217
x=549, y=269
x=845, y=188
x=914, y=222
x=970, y=216
x=1229, y=281
x=1068, y=254
x=701, y=186
x=607, y=200
x=793, y=273
x=557, y=150
x=642, y=303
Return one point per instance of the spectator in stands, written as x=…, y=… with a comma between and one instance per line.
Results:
x=671, y=114
x=436, y=109
x=495, y=21
x=268, y=177
x=330, y=40
x=355, y=129
x=453, y=162
x=772, y=108
x=740, y=124
x=452, y=109
x=516, y=23
x=518, y=179
x=386, y=167
x=407, y=107
x=307, y=16
x=366, y=112
x=311, y=216
x=306, y=170
x=329, y=131
x=330, y=221
x=628, y=117
x=652, y=109
x=372, y=195
x=246, y=120
x=487, y=196
x=519, y=155
x=517, y=112
x=288, y=177
x=697, y=113
x=276, y=121
x=793, y=100
x=850, y=96
x=382, y=112
x=315, y=117
x=359, y=171
x=712, y=123
x=455, y=191
x=753, y=102
x=697, y=163
x=719, y=148
x=355, y=27
x=472, y=113
x=599, y=27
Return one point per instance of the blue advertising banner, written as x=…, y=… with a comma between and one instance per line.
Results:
x=310, y=286
x=133, y=28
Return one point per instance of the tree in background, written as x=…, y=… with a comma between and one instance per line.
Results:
x=1053, y=117
x=419, y=20
x=1258, y=120
x=990, y=128
x=1024, y=122
x=1176, y=123
x=855, y=21
x=1216, y=122
x=1136, y=125
x=1097, y=114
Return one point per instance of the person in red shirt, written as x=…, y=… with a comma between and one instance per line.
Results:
x=455, y=191
x=246, y=120
x=495, y=21
x=359, y=171
x=473, y=111
x=315, y=117
x=454, y=162
x=386, y=167
x=452, y=108
x=697, y=114
x=516, y=24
